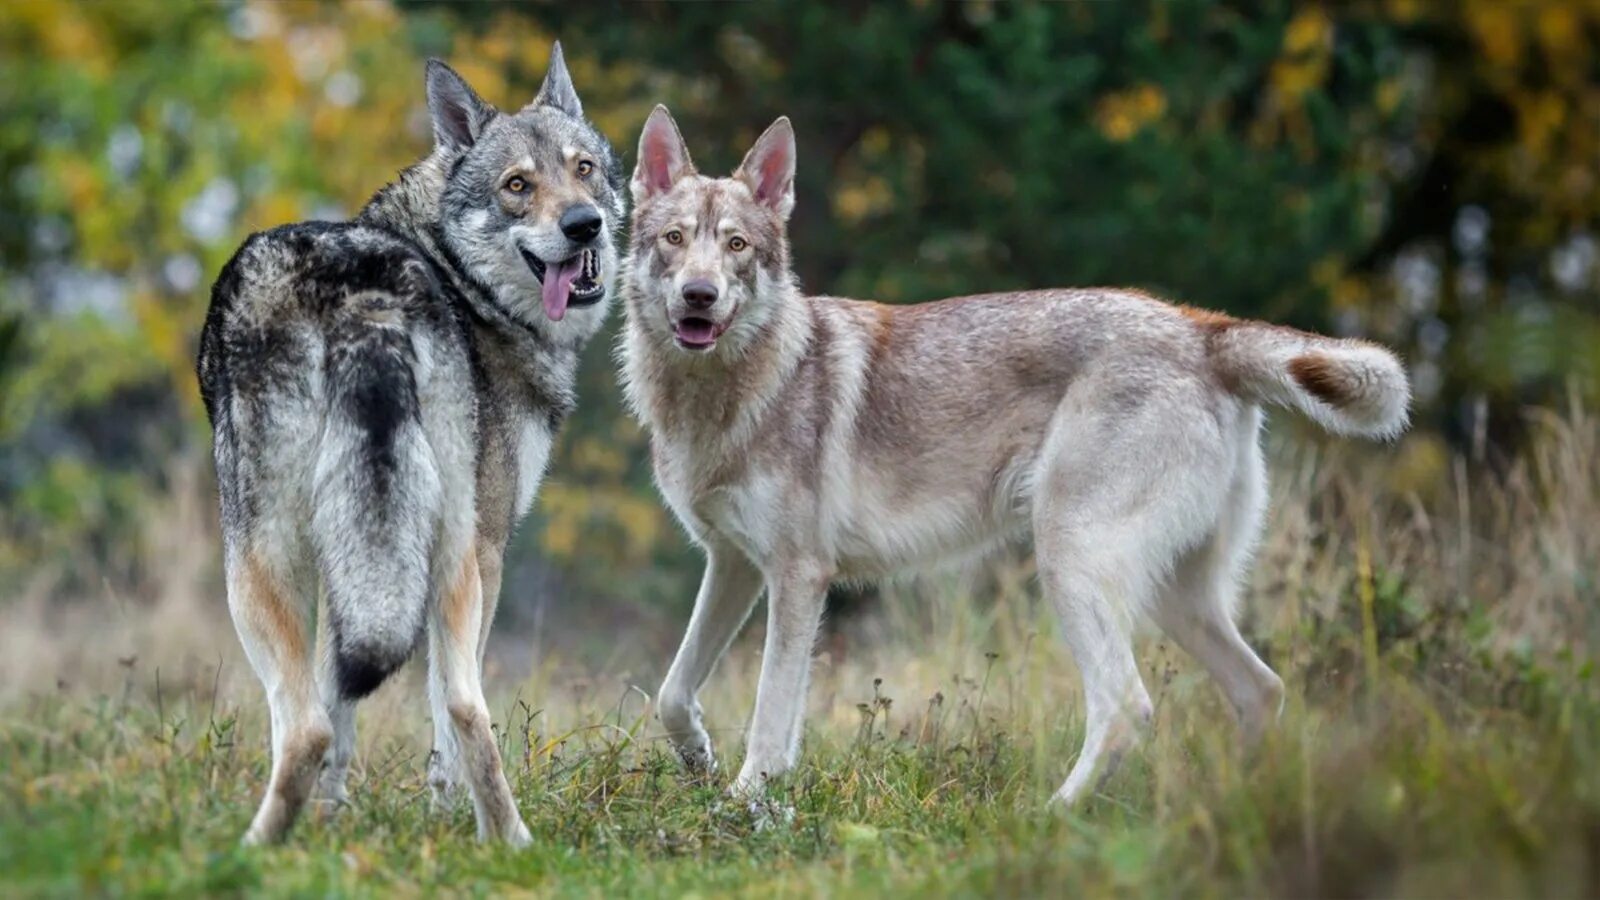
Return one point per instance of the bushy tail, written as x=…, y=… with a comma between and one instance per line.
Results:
x=377, y=497
x=1349, y=387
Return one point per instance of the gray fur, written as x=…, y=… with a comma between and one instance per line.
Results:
x=384, y=394
x=557, y=90
x=457, y=112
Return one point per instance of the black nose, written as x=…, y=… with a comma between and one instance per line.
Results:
x=700, y=294
x=581, y=223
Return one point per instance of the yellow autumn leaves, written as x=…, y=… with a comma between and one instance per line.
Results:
x=1122, y=114
x=1302, y=67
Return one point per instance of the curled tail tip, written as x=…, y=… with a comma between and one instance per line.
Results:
x=1362, y=388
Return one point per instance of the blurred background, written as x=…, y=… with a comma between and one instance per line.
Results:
x=1421, y=173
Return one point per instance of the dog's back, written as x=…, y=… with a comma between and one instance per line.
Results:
x=316, y=361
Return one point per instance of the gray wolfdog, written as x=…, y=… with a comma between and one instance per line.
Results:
x=384, y=393
x=805, y=440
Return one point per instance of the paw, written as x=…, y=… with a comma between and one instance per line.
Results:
x=444, y=785
x=687, y=735
x=750, y=785
x=444, y=796
x=697, y=756
x=331, y=792
x=519, y=836
x=327, y=807
x=1068, y=798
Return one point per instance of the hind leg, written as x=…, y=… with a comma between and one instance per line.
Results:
x=1196, y=608
x=456, y=692
x=269, y=608
x=1082, y=581
x=1122, y=490
x=341, y=713
x=1194, y=612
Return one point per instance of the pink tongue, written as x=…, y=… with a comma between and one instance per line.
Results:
x=558, y=278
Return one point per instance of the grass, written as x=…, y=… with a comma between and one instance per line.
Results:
x=1372, y=788
x=1442, y=738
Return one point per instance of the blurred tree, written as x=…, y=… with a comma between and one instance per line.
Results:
x=1488, y=256
x=952, y=148
x=140, y=141
x=1421, y=172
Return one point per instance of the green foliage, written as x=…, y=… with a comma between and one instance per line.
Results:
x=955, y=149
x=1422, y=173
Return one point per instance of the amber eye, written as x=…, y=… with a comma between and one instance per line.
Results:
x=674, y=237
x=516, y=184
x=737, y=243
x=584, y=168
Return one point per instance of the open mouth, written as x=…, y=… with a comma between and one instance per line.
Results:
x=696, y=333
x=574, y=281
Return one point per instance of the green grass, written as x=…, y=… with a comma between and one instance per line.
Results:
x=1441, y=736
x=1391, y=787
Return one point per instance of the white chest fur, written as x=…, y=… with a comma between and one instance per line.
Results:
x=532, y=456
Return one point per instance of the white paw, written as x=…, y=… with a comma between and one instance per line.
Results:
x=519, y=836
x=748, y=785
x=697, y=756
x=1073, y=792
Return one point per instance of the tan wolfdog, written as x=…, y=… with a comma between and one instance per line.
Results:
x=807, y=440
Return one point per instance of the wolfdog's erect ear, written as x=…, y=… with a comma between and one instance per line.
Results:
x=459, y=114
x=557, y=89
x=769, y=167
x=663, y=158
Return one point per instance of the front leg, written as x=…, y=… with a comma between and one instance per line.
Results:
x=342, y=714
x=728, y=592
x=795, y=596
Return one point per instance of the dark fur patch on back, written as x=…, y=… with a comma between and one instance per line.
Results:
x=1321, y=378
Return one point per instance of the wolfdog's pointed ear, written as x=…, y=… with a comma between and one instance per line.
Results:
x=769, y=167
x=663, y=157
x=459, y=114
x=557, y=89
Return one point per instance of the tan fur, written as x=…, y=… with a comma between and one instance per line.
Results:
x=276, y=633
x=464, y=599
x=1205, y=319
x=819, y=439
x=376, y=453
x=455, y=648
x=266, y=602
